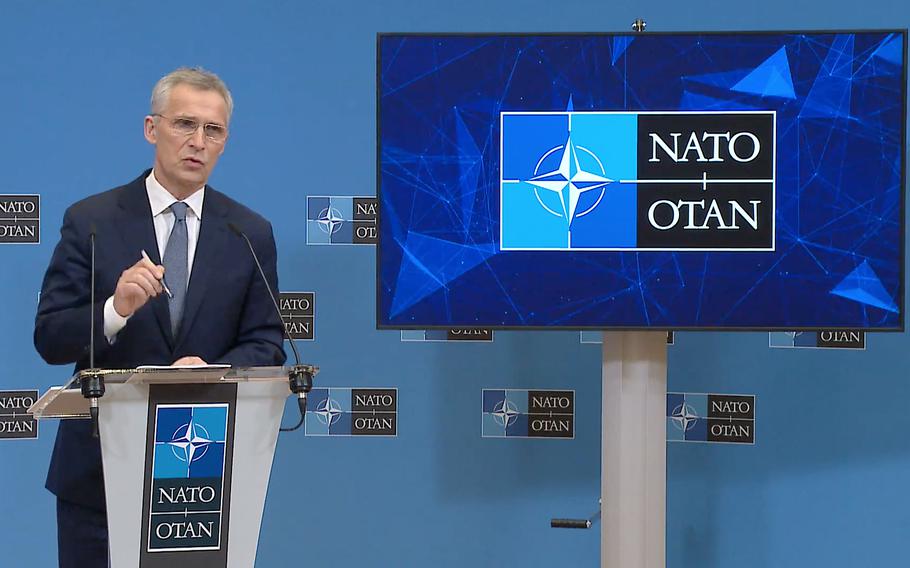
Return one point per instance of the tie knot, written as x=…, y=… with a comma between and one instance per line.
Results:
x=179, y=209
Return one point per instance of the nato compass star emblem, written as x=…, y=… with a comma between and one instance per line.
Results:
x=569, y=180
x=505, y=413
x=190, y=442
x=684, y=417
x=328, y=411
x=330, y=220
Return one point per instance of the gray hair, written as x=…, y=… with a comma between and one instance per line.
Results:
x=196, y=77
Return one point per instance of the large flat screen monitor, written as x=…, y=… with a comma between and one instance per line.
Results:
x=683, y=181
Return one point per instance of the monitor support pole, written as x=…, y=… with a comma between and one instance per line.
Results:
x=633, y=481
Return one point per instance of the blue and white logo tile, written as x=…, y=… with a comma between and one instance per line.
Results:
x=524, y=413
x=824, y=339
x=447, y=335
x=687, y=417
x=710, y=418
x=352, y=412
x=341, y=220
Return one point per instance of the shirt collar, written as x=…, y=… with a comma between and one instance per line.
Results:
x=161, y=199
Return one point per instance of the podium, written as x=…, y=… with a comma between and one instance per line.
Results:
x=187, y=454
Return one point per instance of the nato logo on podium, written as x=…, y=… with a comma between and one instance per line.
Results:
x=188, y=477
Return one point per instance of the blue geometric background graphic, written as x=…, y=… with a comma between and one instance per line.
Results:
x=863, y=286
x=770, y=79
x=444, y=104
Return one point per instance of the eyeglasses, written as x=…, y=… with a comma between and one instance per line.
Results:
x=187, y=127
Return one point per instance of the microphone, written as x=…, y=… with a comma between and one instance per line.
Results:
x=91, y=381
x=300, y=377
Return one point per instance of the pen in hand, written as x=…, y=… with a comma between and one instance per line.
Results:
x=163, y=284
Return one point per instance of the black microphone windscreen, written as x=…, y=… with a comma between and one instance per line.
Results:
x=235, y=229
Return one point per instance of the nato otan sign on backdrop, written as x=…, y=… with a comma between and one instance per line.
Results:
x=298, y=311
x=341, y=220
x=340, y=411
x=15, y=422
x=457, y=334
x=20, y=219
x=525, y=413
x=824, y=339
x=712, y=418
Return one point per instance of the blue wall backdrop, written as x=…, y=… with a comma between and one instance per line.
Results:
x=824, y=484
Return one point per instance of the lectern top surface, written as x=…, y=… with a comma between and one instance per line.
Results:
x=67, y=402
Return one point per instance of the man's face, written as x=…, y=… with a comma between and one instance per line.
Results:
x=184, y=162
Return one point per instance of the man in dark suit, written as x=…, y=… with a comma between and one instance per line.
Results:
x=152, y=233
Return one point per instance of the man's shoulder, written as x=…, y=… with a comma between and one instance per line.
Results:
x=236, y=212
x=103, y=202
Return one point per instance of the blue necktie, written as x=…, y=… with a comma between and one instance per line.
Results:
x=175, y=264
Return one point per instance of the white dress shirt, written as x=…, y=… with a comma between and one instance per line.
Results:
x=160, y=201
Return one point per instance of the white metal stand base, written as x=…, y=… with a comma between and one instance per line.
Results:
x=633, y=483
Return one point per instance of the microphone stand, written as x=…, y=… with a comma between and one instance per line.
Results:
x=300, y=377
x=91, y=380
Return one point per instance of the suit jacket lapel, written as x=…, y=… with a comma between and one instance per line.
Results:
x=138, y=233
x=209, y=246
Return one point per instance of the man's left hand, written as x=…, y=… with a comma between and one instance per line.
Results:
x=190, y=360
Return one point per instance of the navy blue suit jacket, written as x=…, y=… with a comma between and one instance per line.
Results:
x=228, y=316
